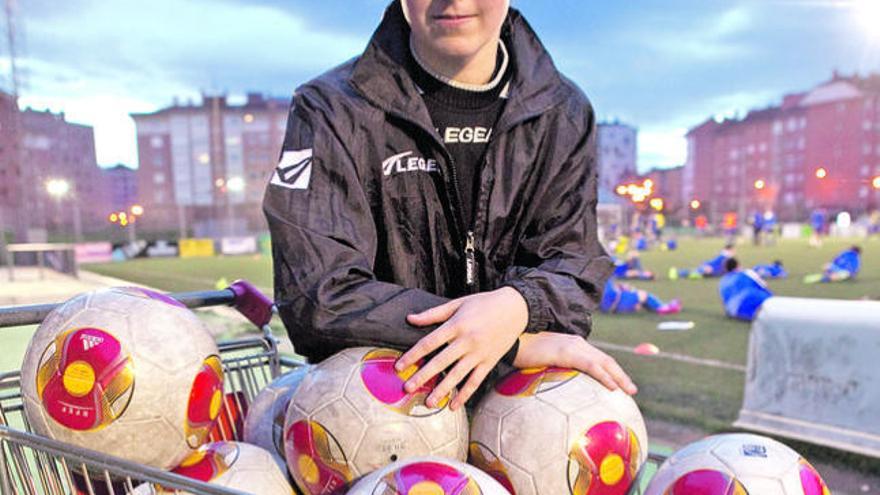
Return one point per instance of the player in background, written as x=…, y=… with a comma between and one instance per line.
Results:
x=742, y=292
x=771, y=270
x=844, y=267
x=624, y=298
x=631, y=268
x=711, y=268
x=819, y=222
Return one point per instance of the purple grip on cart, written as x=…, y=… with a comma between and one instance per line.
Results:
x=251, y=303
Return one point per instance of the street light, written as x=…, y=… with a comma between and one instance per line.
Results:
x=57, y=188
x=821, y=173
x=60, y=189
x=876, y=182
x=233, y=185
x=760, y=184
x=695, y=204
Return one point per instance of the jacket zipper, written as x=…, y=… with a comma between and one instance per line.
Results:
x=470, y=258
x=468, y=243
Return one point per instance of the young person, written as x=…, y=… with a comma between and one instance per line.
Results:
x=771, y=270
x=710, y=268
x=843, y=267
x=624, y=298
x=438, y=195
x=631, y=268
x=742, y=292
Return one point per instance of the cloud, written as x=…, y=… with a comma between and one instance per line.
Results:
x=108, y=59
x=707, y=40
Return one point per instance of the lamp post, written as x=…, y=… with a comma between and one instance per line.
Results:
x=60, y=189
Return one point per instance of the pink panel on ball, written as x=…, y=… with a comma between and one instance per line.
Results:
x=438, y=476
x=706, y=482
x=812, y=483
x=85, y=380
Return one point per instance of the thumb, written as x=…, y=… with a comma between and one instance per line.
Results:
x=437, y=314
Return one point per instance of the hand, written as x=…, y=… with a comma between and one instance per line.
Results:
x=477, y=331
x=571, y=351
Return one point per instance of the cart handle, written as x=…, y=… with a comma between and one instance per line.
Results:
x=242, y=295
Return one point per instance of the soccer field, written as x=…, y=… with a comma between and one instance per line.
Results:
x=700, y=395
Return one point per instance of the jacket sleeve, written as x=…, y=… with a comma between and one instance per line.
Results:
x=561, y=268
x=324, y=244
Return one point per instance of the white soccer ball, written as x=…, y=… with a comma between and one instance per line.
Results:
x=430, y=475
x=124, y=371
x=737, y=464
x=264, y=423
x=551, y=430
x=351, y=415
x=235, y=465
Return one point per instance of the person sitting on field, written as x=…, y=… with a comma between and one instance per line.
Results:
x=742, y=291
x=844, y=267
x=771, y=270
x=710, y=268
x=624, y=298
x=631, y=268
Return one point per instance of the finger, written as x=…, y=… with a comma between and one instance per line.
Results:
x=620, y=377
x=453, y=378
x=437, y=314
x=428, y=344
x=477, y=376
x=437, y=364
x=596, y=371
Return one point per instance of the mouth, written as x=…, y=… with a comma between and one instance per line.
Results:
x=452, y=19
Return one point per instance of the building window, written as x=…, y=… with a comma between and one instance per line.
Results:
x=866, y=169
x=777, y=128
x=863, y=192
x=867, y=125
x=157, y=142
x=158, y=178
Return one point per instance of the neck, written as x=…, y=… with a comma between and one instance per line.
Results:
x=476, y=69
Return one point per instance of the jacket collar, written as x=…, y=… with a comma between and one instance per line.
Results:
x=381, y=77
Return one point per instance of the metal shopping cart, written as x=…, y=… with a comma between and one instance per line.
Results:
x=35, y=465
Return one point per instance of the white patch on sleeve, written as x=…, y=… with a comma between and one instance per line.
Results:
x=294, y=170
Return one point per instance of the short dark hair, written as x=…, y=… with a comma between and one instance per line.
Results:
x=857, y=249
x=777, y=262
x=731, y=264
x=728, y=246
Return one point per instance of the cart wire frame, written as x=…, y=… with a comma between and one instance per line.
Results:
x=31, y=464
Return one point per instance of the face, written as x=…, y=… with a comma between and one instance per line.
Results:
x=455, y=28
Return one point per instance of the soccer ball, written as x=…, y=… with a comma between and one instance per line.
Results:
x=235, y=465
x=737, y=464
x=351, y=416
x=120, y=369
x=555, y=430
x=264, y=423
x=430, y=475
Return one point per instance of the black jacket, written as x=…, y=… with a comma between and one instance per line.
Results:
x=364, y=209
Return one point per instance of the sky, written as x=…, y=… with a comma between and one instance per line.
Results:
x=663, y=66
